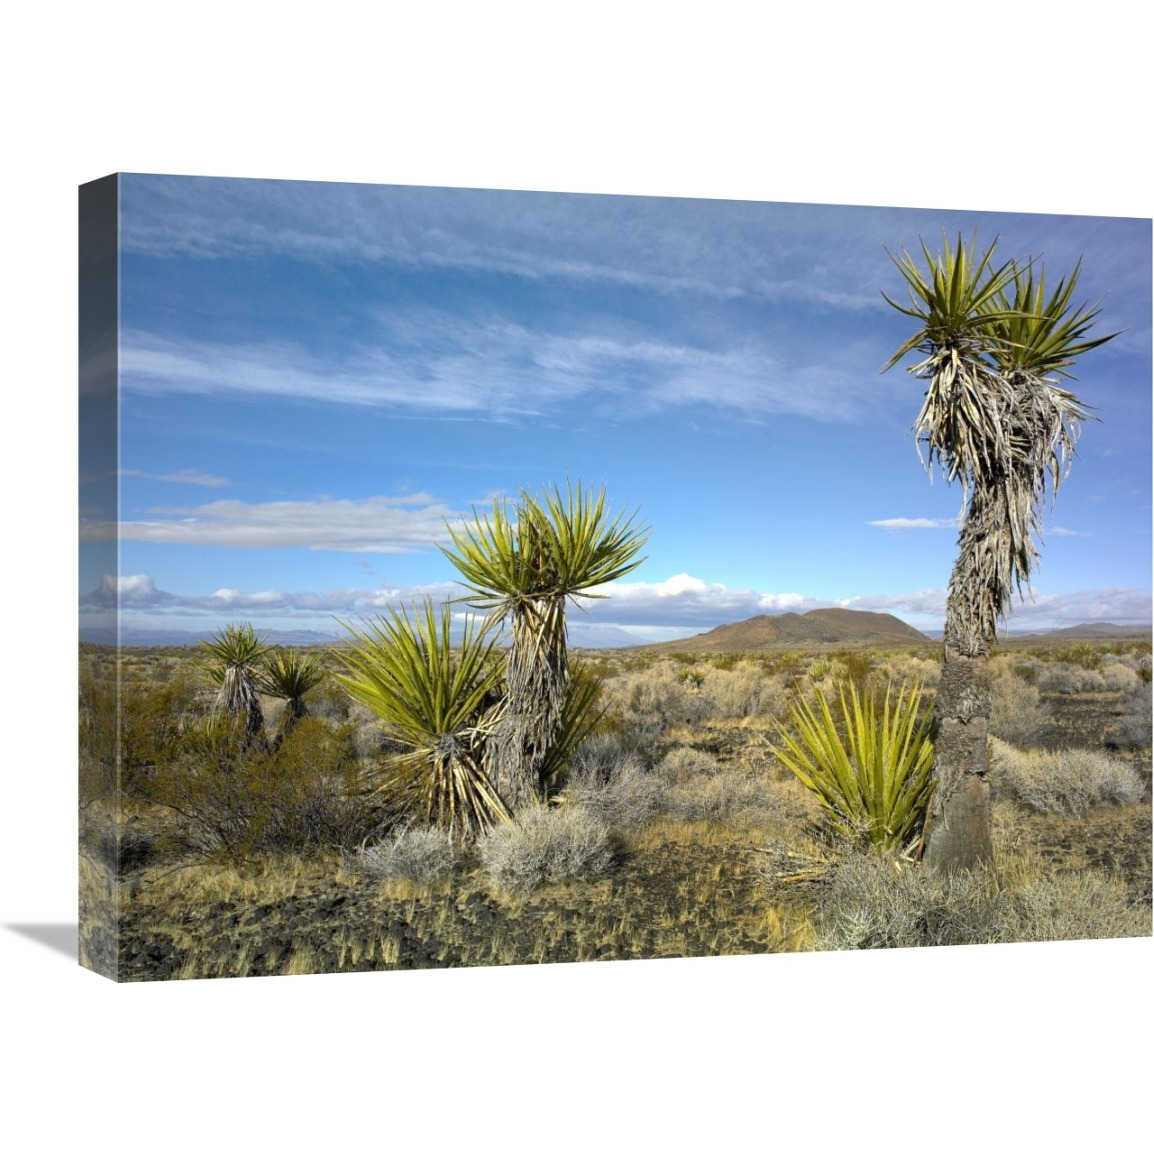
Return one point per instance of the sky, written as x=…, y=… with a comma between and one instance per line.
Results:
x=316, y=378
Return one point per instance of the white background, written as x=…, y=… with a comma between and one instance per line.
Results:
x=893, y=104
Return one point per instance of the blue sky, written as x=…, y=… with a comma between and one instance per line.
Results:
x=316, y=377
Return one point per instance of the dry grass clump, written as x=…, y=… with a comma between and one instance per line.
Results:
x=1062, y=780
x=544, y=845
x=872, y=904
x=1017, y=714
x=422, y=855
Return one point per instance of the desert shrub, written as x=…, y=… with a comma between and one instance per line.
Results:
x=97, y=738
x=728, y=797
x=330, y=702
x=857, y=666
x=871, y=904
x=1064, y=677
x=149, y=722
x=683, y=762
x=1082, y=654
x=1073, y=906
x=746, y=690
x=1133, y=729
x=922, y=671
x=1063, y=780
x=236, y=801
x=869, y=768
x=422, y=855
x=696, y=787
x=1121, y=678
x=643, y=704
x=543, y=845
x=612, y=784
x=1017, y=714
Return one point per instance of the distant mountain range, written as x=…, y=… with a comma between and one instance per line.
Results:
x=1100, y=630
x=797, y=630
x=817, y=627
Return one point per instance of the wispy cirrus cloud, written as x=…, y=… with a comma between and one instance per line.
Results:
x=407, y=524
x=901, y=524
x=493, y=367
x=180, y=477
x=663, y=245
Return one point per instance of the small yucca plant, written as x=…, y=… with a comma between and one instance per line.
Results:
x=438, y=700
x=871, y=774
x=231, y=663
x=289, y=675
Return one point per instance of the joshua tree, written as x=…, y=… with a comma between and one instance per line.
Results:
x=232, y=663
x=994, y=418
x=523, y=568
x=289, y=675
x=437, y=699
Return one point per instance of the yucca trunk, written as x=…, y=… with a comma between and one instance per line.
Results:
x=537, y=677
x=238, y=694
x=958, y=824
x=295, y=708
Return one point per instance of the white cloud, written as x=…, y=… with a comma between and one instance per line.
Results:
x=679, y=606
x=406, y=524
x=131, y=592
x=903, y=523
x=180, y=477
x=1058, y=531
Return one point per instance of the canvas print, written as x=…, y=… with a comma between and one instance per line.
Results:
x=475, y=577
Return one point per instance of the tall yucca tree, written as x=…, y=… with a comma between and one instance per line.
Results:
x=995, y=419
x=523, y=566
x=231, y=662
x=436, y=698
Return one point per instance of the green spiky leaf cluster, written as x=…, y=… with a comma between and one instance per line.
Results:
x=435, y=698
x=1035, y=333
x=555, y=544
x=234, y=646
x=288, y=674
x=869, y=767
